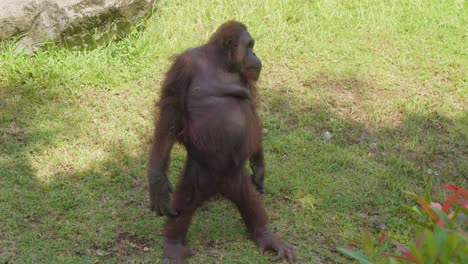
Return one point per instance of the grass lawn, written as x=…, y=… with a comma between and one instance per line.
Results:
x=361, y=101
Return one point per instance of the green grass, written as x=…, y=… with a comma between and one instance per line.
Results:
x=75, y=127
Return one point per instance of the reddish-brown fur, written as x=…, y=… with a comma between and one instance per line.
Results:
x=220, y=134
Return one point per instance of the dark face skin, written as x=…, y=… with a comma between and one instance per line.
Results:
x=250, y=64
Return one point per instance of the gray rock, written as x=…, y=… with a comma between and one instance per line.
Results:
x=75, y=23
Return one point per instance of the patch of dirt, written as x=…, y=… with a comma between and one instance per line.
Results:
x=214, y=249
x=129, y=243
x=349, y=87
x=33, y=219
x=217, y=244
x=351, y=98
x=13, y=132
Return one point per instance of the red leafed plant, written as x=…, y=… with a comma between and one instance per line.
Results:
x=440, y=231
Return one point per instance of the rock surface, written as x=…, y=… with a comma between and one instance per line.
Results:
x=75, y=23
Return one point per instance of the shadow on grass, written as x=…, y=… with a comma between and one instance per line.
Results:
x=358, y=173
x=96, y=214
x=71, y=213
x=100, y=212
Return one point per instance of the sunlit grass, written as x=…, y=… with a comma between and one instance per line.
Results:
x=385, y=79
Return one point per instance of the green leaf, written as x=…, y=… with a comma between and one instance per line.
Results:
x=445, y=253
x=426, y=206
x=453, y=241
x=356, y=255
x=430, y=243
x=440, y=235
x=428, y=189
x=368, y=243
x=416, y=210
x=417, y=254
x=392, y=261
